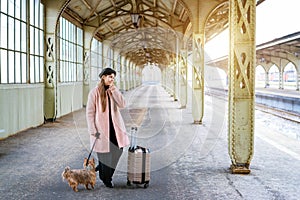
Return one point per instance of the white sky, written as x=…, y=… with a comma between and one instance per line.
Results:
x=274, y=19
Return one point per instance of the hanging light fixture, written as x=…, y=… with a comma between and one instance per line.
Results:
x=135, y=18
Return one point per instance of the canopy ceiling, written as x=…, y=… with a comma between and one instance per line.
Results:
x=161, y=23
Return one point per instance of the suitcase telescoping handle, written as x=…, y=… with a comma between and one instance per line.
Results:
x=133, y=137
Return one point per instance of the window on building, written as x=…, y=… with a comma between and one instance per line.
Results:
x=96, y=59
x=22, y=57
x=71, y=52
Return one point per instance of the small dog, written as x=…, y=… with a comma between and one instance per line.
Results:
x=85, y=176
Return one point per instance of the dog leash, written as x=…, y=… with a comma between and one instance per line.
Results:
x=87, y=162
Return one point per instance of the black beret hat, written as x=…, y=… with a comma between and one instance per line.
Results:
x=107, y=71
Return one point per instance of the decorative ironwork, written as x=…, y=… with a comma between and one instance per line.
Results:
x=241, y=87
x=50, y=47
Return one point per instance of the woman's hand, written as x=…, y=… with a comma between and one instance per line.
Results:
x=96, y=135
x=112, y=87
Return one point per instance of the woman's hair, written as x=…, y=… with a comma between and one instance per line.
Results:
x=101, y=86
x=102, y=90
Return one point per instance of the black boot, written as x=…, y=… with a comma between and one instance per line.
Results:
x=99, y=168
x=107, y=176
x=108, y=182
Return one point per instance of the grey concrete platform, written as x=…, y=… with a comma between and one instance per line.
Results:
x=188, y=161
x=287, y=99
x=287, y=92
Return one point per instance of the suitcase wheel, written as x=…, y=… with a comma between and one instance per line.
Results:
x=128, y=183
x=146, y=185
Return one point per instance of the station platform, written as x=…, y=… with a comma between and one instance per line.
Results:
x=188, y=161
x=293, y=93
x=283, y=102
x=287, y=100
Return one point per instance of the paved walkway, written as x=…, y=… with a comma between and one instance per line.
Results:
x=188, y=161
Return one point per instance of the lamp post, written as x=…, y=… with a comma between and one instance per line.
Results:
x=135, y=18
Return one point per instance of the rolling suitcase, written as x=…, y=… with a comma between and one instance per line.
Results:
x=138, y=169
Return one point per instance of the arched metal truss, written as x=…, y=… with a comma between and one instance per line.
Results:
x=112, y=21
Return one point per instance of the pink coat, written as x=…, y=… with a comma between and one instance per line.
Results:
x=98, y=121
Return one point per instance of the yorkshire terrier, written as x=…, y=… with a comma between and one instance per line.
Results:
x=85, y=176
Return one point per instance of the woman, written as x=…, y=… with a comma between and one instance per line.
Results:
x=106, y=124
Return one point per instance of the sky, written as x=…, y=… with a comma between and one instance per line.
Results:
x=274, y=19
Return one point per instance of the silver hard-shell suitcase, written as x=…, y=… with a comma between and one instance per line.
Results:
x=138, y=169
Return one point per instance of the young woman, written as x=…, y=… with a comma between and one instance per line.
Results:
x=106, y=124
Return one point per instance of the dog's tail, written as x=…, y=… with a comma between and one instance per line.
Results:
x=67, y=169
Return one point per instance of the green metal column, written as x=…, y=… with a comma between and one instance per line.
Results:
x=170, y=80
x=50, y=82
x=173, y=75
x=122, y=74
x=53, y=11
x=126, y=73
x=298, y=77
x=267, y=81
x=130, y=75
x=176, y=78
x=183, y=82
x=134, y=76
x=87, y=40
x=139, y=77
x=198, y=78
x=281, y=70
x=163, y=78
x=241, y=84
x=86, y=75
